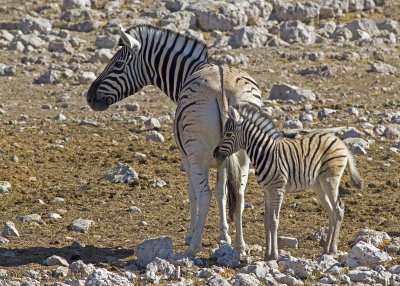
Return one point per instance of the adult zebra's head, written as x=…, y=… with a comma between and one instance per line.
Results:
x=232, y=139
x=114, y=84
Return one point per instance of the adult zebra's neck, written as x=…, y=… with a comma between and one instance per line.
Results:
x=167, y=58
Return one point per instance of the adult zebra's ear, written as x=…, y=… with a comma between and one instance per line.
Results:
x=129, y=41
x=235, y=115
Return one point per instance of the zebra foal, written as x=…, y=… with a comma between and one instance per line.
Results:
x=284, y=165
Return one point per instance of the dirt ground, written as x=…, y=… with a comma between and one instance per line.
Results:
x=45, y=171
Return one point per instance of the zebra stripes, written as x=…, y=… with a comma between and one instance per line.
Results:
x=164, y=59
x=286, y=165
x=179, y=66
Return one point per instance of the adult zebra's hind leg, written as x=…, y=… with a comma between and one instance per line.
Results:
x=220, y=194
x=199, y=176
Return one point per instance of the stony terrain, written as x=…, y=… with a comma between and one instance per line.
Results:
x=319, y=65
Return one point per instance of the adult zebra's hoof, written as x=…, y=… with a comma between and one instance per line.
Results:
x=188, y=239
x=224, y=239
x=242, y=249
x=189, y=253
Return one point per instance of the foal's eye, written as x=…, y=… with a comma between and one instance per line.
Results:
x=228, y=135
x=119, y=64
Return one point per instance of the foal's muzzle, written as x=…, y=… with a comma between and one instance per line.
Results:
x=218, y=155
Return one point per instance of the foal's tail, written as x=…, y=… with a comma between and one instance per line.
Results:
x=233, y=182
x=355, y=177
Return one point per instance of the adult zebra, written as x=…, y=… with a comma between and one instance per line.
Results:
x=179, y=66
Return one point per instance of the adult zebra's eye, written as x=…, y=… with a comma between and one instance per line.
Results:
x=119, y=64
x=228, y=135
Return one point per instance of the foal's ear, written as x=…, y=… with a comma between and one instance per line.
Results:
x=235, y=116
x=129, y=41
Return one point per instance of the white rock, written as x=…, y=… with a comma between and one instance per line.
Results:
x=219, y=15
x=121, y=174
x=368, y=276
x=365, y=254
x=152, y=123
x=56, y=260
x=31, y=217
x=372, y=237
x=29, y=24
x=287, y=242
x=296, y=32
x=49, y=77
x=81, y=268
x=102, y=56
x=132, y=106
x=87, y=77
x=360, y=26
x=351, y=132
x=325, y=112
x=244, y=279
x=134, y=209
x=60, y=271
x=226, y=256
x=107, y=41
x=388, y=25
x=249, y=37
x=259, y=269
x=102, y=277
x=293, y=10
x=149, y=249
x=299, y=266
x=9, y=229
x=76, y=4
x=293, y=124
x=287, y=279
x=54, y=216
x=4, y=187
x=80, y=225
x=154, y=136
x=60, y=117
x=217, y=280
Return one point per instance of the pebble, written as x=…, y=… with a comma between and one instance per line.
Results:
x=54, y=216
x=57, y=200
x=80, y=225
x=31, y=217
x=60, y=117
x=142, y=223
x=134, y=209
x=4, y=187
x=9, y=229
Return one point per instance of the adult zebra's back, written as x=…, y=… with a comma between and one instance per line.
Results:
x=179, y=66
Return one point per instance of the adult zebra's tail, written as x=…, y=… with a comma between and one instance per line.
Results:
x=233, y=182
x=355, y=177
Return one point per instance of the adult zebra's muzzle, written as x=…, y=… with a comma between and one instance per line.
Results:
x=97, y=100
x=218, y=155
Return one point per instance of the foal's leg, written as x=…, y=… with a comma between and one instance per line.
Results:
x=324, y=199
x=274, y=198
x=244, y=162
x=330, y=184
x=220, y=194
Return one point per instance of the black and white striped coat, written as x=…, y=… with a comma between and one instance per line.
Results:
x=284, y=165
x=179, y=66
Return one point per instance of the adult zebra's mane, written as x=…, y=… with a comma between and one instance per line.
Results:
x=260, y=119
x=143, y=31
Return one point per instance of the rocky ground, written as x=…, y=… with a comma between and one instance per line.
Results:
x=319, y=65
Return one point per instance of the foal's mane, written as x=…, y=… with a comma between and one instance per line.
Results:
x=259, y=118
